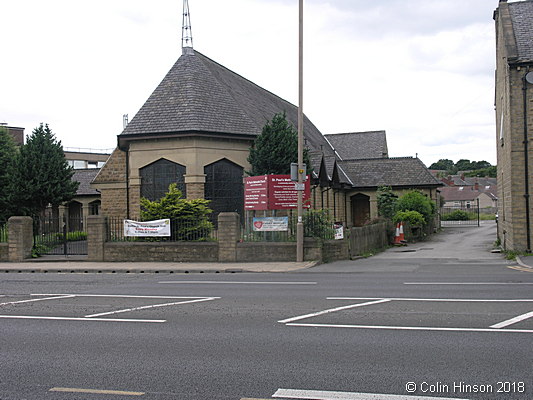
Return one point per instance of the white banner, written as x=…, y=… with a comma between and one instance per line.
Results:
x=270, y=224
x=160, y=227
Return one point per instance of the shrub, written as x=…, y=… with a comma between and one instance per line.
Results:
x=413, y=218
x=387, y=202
x=318, y=224
x=457, y=215
x=416, y=201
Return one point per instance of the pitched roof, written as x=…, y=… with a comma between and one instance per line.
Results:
x=395, y=172
x=199, y=95
x=360, y=145
x=459, y=193
x=522, y=19
x=85, y=177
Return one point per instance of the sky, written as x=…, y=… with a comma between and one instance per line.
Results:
x=421, y=70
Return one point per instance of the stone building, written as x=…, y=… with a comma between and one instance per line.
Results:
x=514, y=122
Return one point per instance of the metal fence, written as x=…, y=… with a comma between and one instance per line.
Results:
x=451, y=216
x=180, y=230
x=60, y=235
x=317, y=224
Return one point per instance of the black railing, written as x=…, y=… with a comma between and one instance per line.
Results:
x=3, y=232
x=60, y=236
x=180, y=230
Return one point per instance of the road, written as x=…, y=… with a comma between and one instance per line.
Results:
x=440, y=319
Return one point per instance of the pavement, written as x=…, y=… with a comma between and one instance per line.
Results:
x=79, y=264
x=525, y=261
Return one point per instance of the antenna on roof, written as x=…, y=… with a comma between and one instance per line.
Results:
x=186, y=30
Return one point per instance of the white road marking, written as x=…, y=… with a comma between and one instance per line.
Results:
x=151, y=306
x=467, y=283
x=512, y=321
x=123, y=296
x=81, y=319
x=449, y=300
x=412, y=328
x=325, y=395
x=96, y=391
x=333, y=310
x=34, y=300
x=238, y=283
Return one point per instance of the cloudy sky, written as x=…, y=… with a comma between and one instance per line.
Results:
x=421, y=70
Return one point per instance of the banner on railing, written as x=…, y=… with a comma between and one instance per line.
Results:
x=271, y=224
x=160, y=227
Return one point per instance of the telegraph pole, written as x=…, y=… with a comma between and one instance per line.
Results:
x=300, y=224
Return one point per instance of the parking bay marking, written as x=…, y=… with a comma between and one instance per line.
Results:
x=327, y=395
x=94, y=317
x=493, y=328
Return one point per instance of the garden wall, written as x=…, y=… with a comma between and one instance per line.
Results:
x=4, y=252
x=161, y=251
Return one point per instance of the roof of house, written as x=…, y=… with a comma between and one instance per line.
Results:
x=395, y=172
x=85, y=177
x=459, y=193
x=201, y=96
x=360, y=145
x=522, y=19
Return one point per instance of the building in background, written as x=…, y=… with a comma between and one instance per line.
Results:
x=514, y=123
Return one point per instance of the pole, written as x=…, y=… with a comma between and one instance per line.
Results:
x=300, y=225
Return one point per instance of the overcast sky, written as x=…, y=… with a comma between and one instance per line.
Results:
x=421, y=70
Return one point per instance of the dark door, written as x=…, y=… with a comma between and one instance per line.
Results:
x=360, y=209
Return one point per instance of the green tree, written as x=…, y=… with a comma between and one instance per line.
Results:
x=443, y=164
x=275, y=148
x=463, y=165
x=490, y=172
x=386, y=202
x=417, y=201
x=190, y=218
x=42, y=176
x=8, y=151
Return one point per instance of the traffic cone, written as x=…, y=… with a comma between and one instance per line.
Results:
x=402, y=236
x=397, y=235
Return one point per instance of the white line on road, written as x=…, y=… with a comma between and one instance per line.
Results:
x=333, y=310
x=450, y=300
x=123, y=296
x=324, y=395
x=468, y=283
x=96, y=391
x=238, y=283
x=413, y=328
x=151, y=306
x=34, y=300
x=82, y=319
x=512, y=321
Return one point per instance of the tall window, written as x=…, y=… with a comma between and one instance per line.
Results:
x=224, y=187
x=157, y=177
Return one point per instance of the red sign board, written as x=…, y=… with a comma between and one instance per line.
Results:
x=273, y=192
x=256, y=193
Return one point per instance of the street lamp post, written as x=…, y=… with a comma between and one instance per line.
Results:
x=300, y=225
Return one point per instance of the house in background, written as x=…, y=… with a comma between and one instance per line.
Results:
x=16, y=133
x=514, y=123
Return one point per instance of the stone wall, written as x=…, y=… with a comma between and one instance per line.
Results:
x=4, y=252
x=277, y=251
x=161, y=251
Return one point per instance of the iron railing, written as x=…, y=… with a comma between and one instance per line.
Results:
x=180, y=230
x=60, y=235
x=3, y=232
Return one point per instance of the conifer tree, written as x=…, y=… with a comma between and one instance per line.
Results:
x=8, y=151
x=275, y=149
x=42, y=176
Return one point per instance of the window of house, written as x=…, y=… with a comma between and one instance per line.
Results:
x=157, y=177
x=224, y=187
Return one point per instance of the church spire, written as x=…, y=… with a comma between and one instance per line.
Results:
x=186, y=30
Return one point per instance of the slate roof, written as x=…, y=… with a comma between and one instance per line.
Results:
x=201, y=96
x=522, y=19
x=455, y=193
x=360, y=145
x=396, y=172
x=85, y=177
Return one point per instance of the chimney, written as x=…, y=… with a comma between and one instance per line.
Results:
x=476, y=185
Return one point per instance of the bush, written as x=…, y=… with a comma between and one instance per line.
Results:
x=387, y=202
x=413, y=218
x=457, y=215
x=416, y=201
x=189, y=217
x=318, y=224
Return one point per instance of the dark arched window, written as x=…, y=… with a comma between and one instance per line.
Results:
x=157, y=177
x=224, y=187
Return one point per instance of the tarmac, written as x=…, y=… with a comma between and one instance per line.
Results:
x=80, y=264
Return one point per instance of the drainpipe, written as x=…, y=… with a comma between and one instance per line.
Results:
x=527, y=78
